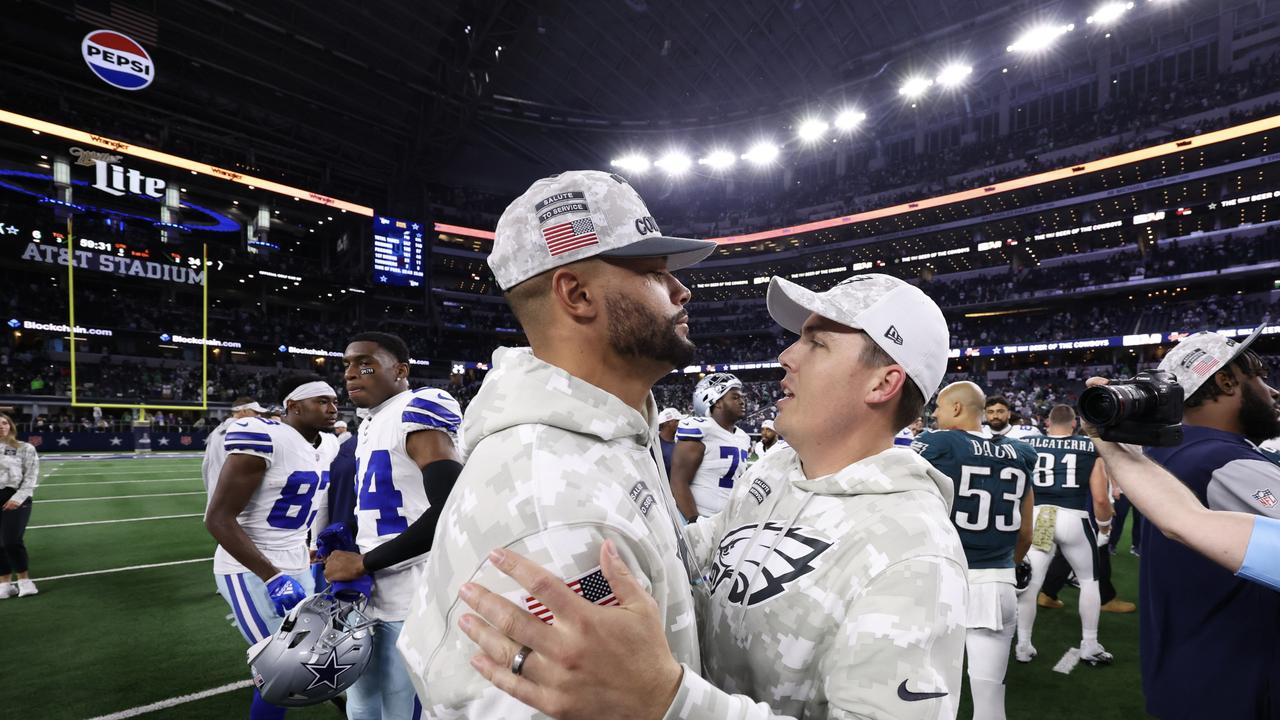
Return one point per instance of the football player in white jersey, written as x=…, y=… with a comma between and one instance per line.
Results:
x=770, y=441
x=711, y=450
x=262, y=506
x=407, y=462
x=215, y=454
x=998, y=421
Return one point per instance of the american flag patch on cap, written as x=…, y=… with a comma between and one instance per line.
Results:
x=568, y=236
x=591, y=586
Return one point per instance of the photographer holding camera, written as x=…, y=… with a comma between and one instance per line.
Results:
x=1210, y=641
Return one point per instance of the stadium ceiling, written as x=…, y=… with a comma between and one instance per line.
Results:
x=425, y=89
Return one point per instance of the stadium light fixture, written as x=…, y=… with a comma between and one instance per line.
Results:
x=914, y=87
x=812, y=130
x=1109, y=13
x=762, y=153
x=849, y=119
x=1039, y=38
x=633, y=163
x=719, y=159
x=953, y=74
x=675, y=163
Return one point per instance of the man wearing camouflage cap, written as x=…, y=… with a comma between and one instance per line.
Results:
x=836, y=580
x=560, y=444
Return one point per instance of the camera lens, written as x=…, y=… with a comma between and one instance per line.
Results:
x=1105, y=405
x=1100, y=406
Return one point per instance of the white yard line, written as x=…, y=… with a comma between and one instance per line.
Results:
x=118, y=482
x=120, y=497
x=123, y=569
x=174, y=701
x=1068, y=662
x=110, y=522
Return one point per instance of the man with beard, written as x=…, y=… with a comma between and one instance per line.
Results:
x=1210, y=641
x=561, y=442
x=835, y=579
x=711, y=450
x=1000, y=421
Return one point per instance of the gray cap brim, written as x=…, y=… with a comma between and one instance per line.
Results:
x=1244, y=344
x=679, y=252
x=791, y=304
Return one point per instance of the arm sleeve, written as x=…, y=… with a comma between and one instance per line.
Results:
x=569, y=552
x=930, y=446
x=30, y=474
x=1262, y=558
x=250, y=438
x=690, y=429
x=438, y=479
x=908, y=628
x=1246, y=485
x=431, y=409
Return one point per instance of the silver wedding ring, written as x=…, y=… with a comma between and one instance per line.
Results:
x=517, y=662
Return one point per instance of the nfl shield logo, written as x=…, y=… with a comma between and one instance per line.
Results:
x=185, y=440
x=1265, y=498
x=36, y=440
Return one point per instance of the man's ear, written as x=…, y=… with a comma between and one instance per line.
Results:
x=576, y=290
x=886, y=384
x=1226, y=380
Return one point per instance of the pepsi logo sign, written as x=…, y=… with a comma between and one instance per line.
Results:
x=117, y=59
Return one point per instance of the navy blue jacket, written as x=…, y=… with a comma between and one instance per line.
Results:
x=1210, y=642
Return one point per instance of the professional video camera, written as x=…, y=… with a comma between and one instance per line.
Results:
x=1144, y=410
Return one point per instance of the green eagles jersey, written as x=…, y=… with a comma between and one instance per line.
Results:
x=991, y=476
x=1063, y=467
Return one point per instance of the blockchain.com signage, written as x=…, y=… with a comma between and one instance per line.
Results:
x=117, y=60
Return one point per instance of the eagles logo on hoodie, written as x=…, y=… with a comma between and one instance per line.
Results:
x=760, y=561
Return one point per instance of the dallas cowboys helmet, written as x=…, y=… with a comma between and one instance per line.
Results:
x=322, y=648
x=710, y=389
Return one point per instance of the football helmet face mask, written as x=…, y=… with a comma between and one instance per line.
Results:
x=710, y=389
x=321, y=649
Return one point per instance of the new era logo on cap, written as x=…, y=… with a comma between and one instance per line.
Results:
x=892, y=334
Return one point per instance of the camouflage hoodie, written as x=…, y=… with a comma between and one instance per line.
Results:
x=842, y=596
x=554, y=465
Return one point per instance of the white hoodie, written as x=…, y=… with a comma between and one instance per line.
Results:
x=843, y=596
x=554, y=466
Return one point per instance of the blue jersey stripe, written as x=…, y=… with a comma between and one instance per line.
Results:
x=239, y=435
x=421, y=418
x=435, y=408
x=264, y=449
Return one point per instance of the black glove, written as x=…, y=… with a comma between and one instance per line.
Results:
x=1022, y=575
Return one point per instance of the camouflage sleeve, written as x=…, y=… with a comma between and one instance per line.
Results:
x=701, y=537
x=572, y=552
x=30, y=473
x=897, y=654
x=908, y=628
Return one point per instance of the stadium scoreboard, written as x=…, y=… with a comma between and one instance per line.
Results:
x=397, y=252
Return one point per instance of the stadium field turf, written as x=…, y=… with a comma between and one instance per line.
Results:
x=105, y=644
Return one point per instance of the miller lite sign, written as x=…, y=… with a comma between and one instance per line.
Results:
x=117, y=59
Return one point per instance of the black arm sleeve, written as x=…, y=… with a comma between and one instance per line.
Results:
x=438, y=479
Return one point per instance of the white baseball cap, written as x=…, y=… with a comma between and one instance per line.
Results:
x=254, y=406
x=895, y=314
x=340, y=424
x=578, y=215
x=669, y=414
x=1197, y=357
x=767, y=425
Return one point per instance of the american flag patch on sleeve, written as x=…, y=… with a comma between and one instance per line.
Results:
x=592, y=586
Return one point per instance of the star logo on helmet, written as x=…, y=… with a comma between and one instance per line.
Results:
x=328, y=672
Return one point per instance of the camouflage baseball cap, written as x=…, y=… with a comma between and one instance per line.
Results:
x=1197, y=357
x=896, y=315
x=578, y=215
